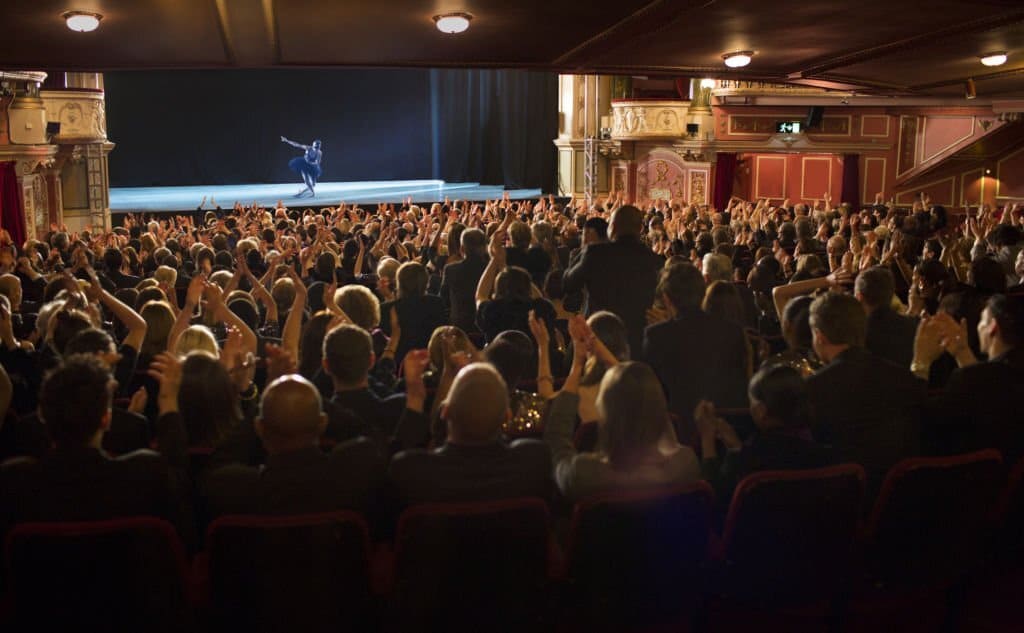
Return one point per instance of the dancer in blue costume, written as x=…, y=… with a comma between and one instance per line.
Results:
x=307, y=165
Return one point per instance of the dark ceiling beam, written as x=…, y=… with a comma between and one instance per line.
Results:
x=250, y=31
x=647, y=21
x=822, y=65
x=999, y=74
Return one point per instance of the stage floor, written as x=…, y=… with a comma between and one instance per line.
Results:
x=130, y=199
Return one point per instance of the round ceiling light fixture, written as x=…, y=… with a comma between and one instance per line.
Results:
x=452, y=22
x=739, y=59
x=82, y=21
x=994, y=59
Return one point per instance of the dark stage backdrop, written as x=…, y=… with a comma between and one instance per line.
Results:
x=224, y=126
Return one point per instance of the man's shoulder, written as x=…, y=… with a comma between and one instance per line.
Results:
x=530, y=449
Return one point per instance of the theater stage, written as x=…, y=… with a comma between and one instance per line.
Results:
x=133, y=199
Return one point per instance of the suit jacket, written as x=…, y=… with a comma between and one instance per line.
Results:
x=121, y=280
x=698, y=357
x=381, y=415
x=867, y=409
x=299, y=482
x=28, y=435
x=620, y=277
x=418, y=317
x=980, y=408
x=86, y=484
x=891, y=336
x=472, y=473
x=458, y=291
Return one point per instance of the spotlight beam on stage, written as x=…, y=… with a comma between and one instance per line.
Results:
x=186, y=198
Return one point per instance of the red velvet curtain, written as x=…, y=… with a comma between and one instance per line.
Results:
x=725, y=172
x=851, y=181
x=12, y=215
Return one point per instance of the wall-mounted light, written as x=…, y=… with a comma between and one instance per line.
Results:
x=82, y=21
x=707, y=83
x=738, y=59
x=970, y=90
x=452, y=22
x=994, y=59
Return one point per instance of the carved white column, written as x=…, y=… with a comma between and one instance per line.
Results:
x=582, y=102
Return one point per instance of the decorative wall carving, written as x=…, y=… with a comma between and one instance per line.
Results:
x=81, y=115
x=648, y=119
x=765, y=124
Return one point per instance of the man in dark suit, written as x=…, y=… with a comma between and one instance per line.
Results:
x=474, y=464
x=419, y=314
x=77, y=480
x=619, y=276
x=889, y=335
x=112, y=261
x=348, y=357
x=865, y=407
x=459, y=280
x=696, y=356
x=980, y=406
x=298, y=477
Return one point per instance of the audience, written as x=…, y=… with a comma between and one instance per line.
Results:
x=275, y=361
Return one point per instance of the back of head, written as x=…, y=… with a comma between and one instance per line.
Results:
x=633, y=411
x=90, y=341
x=596, y=228
x=477, y=405
x=796, y=323
x=722, y=300
x=543, y=232
x=436, y=347
x=66, y=324
x=611, y=331
x=474, y=243
x=782, y=392
x=840, y=318
x=511, y=354
x=519, y=233
x=627, y=221
x=197, y=338
x=988, y=275
x=1008, y=312
x=160, y=318
x=412, y=280
x=360, y=304
x=75, y=398
x=875, y=286
x=387, y=267
x=348, y=352
x=290, y=413
x=513, y=283
x=208, y=399
x=717, y=268
x=683, y=284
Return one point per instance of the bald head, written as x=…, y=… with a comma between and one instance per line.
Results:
x=291, y=416
x=477, y=405
x=627, y=221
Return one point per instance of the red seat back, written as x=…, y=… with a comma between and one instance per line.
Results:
x=637, y=558
x=931, y=517
x=471, y=566
x=304, y=573
x=789, y=534
x=124, y=574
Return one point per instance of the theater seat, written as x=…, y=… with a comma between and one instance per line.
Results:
x=289, y=573
x=929, y=527
x=1011, y=514
x=788, y=547
x=126, y=574
x=471, y=567
x=637, y=559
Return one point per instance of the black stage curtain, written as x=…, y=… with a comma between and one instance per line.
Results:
x=215, y=127
x=495, y=127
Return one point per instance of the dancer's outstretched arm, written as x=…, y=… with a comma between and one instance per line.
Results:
x=294, y=144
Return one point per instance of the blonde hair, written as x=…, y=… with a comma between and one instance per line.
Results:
x=160, y=318
x=166, y=275
x=196, y=338
x=360, y=304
